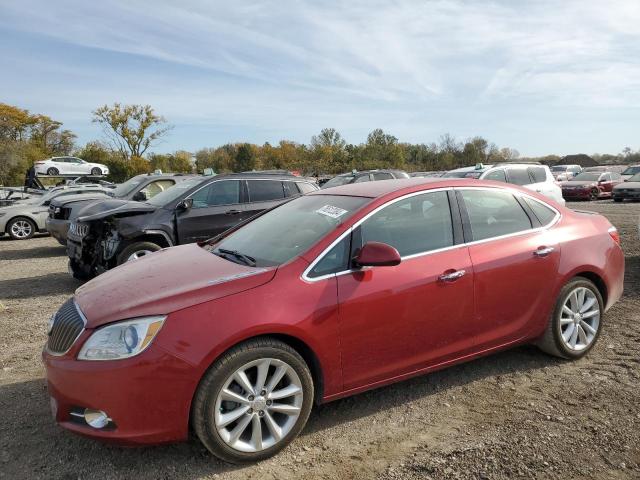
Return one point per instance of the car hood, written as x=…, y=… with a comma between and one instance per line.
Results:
x=578, y=183
x=80, y=197
x=113, y=207
x=164, y=282
x=625, y=185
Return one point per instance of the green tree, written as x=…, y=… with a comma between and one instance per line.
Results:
x=245, y=159
x=131, y=129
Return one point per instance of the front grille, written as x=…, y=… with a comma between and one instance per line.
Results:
x=68, y=324
x=78, y=229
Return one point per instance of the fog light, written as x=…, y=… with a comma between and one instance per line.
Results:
x=96, y=418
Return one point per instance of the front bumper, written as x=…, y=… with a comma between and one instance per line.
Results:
x=147, y=397
x=58, y=229
x=627, y=194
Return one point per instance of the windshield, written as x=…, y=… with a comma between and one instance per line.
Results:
x=289, y=230
x=168, y=196
x=559, y=168
x=635, y=178
x=463, y=174
x=126, y=188
x=340, y=180
x=588, y=177
x=631, y=170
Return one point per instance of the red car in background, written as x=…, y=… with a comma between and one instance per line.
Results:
x=333, y=293
x=590, y=185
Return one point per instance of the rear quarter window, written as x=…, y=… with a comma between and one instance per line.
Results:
x=541, y=211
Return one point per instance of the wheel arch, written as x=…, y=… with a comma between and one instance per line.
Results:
x=156, y=236
x=598, y=281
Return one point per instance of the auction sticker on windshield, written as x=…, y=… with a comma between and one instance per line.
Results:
x=331, y=211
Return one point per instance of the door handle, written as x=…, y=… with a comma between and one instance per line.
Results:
x=233, y=212
x=452, y=276
x=543, y=251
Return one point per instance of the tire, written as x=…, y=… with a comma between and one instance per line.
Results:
x=139, y=249
x=96, y=171
x=594, y=194
x=207, y=412
x=52, y=171
x=21, y=228
x=554, y=341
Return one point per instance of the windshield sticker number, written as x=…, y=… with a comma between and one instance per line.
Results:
x=331, y=211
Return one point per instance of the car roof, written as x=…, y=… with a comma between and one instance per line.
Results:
x=384, y=187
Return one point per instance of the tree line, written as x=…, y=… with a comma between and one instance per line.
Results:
x=131, y=131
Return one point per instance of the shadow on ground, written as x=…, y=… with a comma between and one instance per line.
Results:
x=32, y=442
x=38, y=252
x=38, y=286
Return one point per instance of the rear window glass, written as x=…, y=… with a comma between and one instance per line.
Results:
x=539, y=174
x=519, y=176
x=541, y=211
x=264, y=190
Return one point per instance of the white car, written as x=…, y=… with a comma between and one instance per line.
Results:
x=535, y=177
x=562, y=173
x=69, y=166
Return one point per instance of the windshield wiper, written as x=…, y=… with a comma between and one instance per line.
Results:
x=246, y=259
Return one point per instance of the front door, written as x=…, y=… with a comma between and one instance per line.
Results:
x=396, y=320
x=216, y=208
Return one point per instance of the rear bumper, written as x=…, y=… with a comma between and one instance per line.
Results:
x=147, y=397
x=58, y=229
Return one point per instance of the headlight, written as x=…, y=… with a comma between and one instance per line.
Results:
x=121, y=340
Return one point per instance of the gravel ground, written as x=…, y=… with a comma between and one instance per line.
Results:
x=518, y=414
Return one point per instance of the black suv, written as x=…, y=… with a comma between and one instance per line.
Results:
x=111, y=232
x=364, y=176
x=139, y=188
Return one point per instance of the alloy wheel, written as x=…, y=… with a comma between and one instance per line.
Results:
x=579, y=319
x=258, y=405
x=21, y=229
x=138, y=254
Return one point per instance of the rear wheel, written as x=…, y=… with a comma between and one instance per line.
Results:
x=576, y=322
x=137, y=250
x=52, y=171
x=21, y=228
x=253, y=402
x=96, y=171
x=594, y=194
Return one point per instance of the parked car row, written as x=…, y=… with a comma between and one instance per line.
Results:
x=311, y=298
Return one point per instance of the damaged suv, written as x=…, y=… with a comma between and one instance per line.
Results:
x=111, y=232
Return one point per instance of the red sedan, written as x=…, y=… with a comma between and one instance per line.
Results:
x=328, y=295
x=590, y=186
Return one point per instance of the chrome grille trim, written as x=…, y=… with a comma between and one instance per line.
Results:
x=68, y=325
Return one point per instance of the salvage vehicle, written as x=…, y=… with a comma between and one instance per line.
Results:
x=534, y=176
x=55, y=166
x=628, y=190
x=630, y=171
x=111, y=232
x=139, y=188
x=22, y=220
x=590, y=185
x=364, y=176
x=330, y=294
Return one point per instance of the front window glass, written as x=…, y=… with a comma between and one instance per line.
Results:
x=224, y=192
x=493, y=213
x=587, y=176
x=290, y=229
x=631, y=170
x=635, y=178
x=414, y=225
x=173, y=193
x=334, y=261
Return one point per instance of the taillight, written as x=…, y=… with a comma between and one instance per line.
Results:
x=613, y=232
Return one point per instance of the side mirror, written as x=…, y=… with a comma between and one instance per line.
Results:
x=185, y=204
x=376, y=254
x=140, y=196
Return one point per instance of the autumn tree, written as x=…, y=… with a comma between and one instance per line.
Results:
x=131, y=129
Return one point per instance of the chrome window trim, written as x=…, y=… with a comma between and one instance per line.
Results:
x=556, y=219
x=84, y=321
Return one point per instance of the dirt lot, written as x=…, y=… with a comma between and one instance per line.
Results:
x=516, y=414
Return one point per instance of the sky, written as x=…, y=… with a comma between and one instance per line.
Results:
x=539, y=76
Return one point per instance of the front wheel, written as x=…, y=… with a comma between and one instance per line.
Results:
x=137, y=250
x=576, y=322
x=594, y=194
x=21, y=228
x=96, y=171
x=253, y=401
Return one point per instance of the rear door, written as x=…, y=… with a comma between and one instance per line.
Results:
x=515, y=263
x=263, y=194
x=216, y=207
